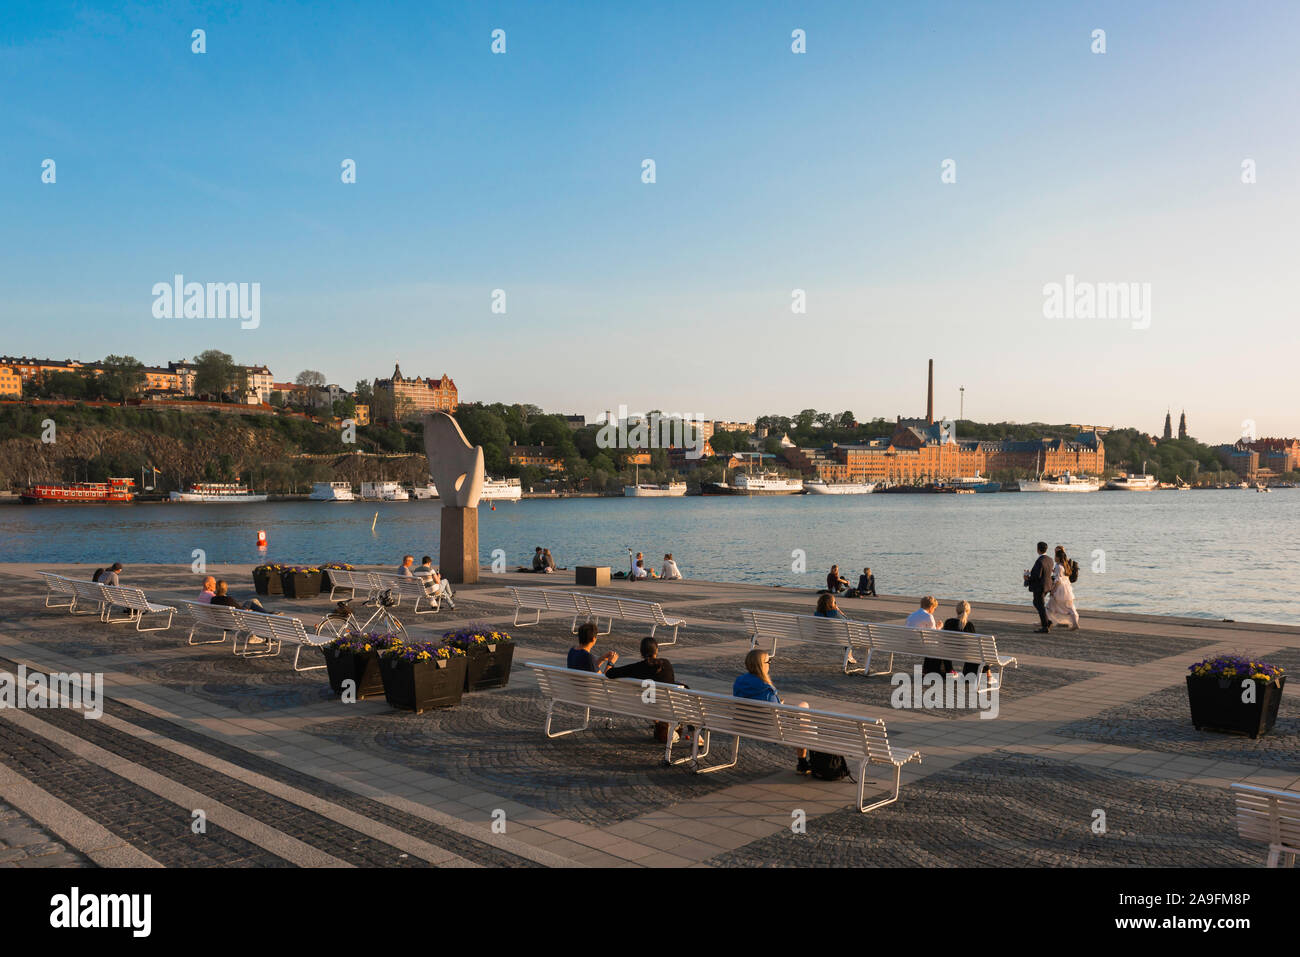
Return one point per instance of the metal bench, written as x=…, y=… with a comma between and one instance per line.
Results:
x=625, y=697
x=419, y=589
x=352, y=581
x=627, y=609
x=861, y=740
x=87, y=593
x=953, y=646
x=1270, y=815
x=60, y=587
x=136, y=605
x=204, y=615
x=545, y=599
x=275, y=630
x=773, y=626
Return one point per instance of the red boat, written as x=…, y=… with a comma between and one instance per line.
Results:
x=114, y=490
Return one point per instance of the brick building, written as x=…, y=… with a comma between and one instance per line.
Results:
x=403, y=398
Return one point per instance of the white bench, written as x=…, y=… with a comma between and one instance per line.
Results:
x=353, y=581
x=204, y=615
x=864, y=741
x=951, y=646
x=773, y=626
x=545, y=599
x=136, y=604
x=1271, y=815
x=861, y=740
x=275, y=630
x=60, y=587
x=626, y=697
x=417, y=588
x=87, y=593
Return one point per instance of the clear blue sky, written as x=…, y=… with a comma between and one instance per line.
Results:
x=775, y=171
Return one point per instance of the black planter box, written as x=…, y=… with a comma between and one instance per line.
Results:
x=419, y=685
x=489, y=666
x=1216, y=704
x=300, y=584
x=325, y=584
x=267, y=583
x=361, y=667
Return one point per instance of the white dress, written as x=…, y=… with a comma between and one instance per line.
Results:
x=1060, y=603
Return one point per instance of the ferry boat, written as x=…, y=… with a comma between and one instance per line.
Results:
x=115, y=490
x=494, y=490
x=1129, y=482
x=217, y=493
x=671, y=490
x=383, y=492
x=768, y=483
x=1065, y=483
x=819, y=487
x=331, y=492
x=976, y=483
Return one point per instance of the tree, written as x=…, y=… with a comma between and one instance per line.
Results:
x=310, y=377
x=123, y=377
x=847, y=419
x=215, y=373
x=365, y=393
x=804, y=420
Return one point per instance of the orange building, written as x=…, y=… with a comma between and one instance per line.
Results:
x=541, y=456
x=411, y=398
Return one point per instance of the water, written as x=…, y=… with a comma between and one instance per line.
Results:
x=1212, y=554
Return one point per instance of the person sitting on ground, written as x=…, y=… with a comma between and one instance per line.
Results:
x=109, y=576
x=866, y=584
x=923, y=617
x=581, y=657
x=404, y=569
x=835, y=582
x=670, y=571
x=209, y=589
x=638, y=570
x=548, y=561
x=756, y=683
x=539, y=561
x=221, y=596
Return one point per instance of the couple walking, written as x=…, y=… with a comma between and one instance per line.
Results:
x=1050, y=583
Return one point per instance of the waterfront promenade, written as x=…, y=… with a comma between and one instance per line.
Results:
x=285, y=774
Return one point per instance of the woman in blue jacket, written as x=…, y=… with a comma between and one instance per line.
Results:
x=756, y=683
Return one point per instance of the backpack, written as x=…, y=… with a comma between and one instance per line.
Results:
x=98, y=572
x=828, y=767
x=1074, y=571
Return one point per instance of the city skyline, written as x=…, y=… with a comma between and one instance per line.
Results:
x=821, y=173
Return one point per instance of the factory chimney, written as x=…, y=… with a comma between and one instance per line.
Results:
x=929, y=397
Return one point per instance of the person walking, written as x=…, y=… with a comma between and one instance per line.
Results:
x=1038, y=579
x=1060, y=608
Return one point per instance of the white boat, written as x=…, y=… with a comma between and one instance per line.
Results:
x=1066, y=483
x=331, y=492
x=671, y=490
x=494, y=490
x=819, y=487
x=217, y=493
x=383, y=492
x=1261, y=487
x=1133, y=482
x=768, y=483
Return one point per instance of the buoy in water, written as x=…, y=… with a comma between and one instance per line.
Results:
x=261, y=539
x=494, y=507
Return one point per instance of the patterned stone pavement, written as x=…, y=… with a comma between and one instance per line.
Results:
x=283, y=774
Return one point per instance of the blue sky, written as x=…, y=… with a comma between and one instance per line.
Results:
x=775, y=171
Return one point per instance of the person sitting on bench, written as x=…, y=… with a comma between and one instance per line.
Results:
x=581, y=657
x=756, y=683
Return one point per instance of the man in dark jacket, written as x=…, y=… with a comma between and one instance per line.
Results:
x=1039, y=582
x=659, y=670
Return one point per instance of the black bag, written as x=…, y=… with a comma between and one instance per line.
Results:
x=852, y=593
x=1074, y=571
x=98, y=572
x=827, y=767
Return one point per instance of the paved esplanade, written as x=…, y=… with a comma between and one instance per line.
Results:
x=285, y=774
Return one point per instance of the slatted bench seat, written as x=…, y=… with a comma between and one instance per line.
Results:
x=627, y=609
x=864, y=741
x=351, y=581
x=545, y=599
x=276, y=630
x=57, y=586
x=625, y=697
x=861, y=740
x=137, y=607
x=201, y=614
x=954, y=646
x=88, y=595
x=416, y=588
x=774, y=626
x=1270, y=815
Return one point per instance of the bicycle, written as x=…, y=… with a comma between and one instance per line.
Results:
x=342, y=619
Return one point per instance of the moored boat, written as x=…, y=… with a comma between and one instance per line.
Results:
x=115, y=490
x=494, y=490
x=819, y=487
x=670, y=490
x=383, y=492
x=1064, y=483
x=768, y=483
x=331, y=492
x=217, y=493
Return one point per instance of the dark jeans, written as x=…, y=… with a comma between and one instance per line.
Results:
x=1041, y=607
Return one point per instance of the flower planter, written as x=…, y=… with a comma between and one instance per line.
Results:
x=419, y=685
x=267, y=582
x=361, y=667
x=325, y=584
x=300, y=584
x=1216, y=704
x=488, y=666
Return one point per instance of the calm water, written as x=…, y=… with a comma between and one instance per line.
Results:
x=1214, y=554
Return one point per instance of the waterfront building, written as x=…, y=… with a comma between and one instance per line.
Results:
x=11, y=383
x=260, y=385
x=1240, y=458
x=576, y=422
x=403, y=398
x=1269, y=455
x=541, y=456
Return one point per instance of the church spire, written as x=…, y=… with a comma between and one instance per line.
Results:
x=1182, y=425
x=1169, y=425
